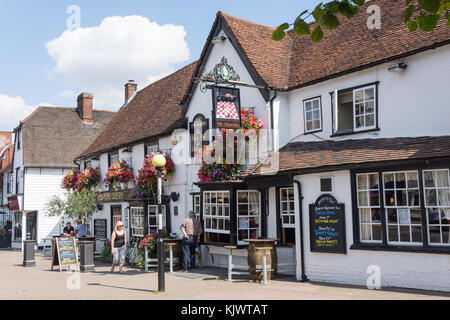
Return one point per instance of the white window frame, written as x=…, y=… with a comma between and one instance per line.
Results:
x=368, y=190
x=208, y=216
x=438, y=206
x=133, y=221
x=312, y=112
x=152, y=147
x=154, y=208
x=396, y=206
x=363, y=89
x=258, y=216
x=289, y=213
x=196, y=206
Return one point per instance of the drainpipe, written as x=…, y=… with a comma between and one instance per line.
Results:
x=304, y=278
x=271, y=119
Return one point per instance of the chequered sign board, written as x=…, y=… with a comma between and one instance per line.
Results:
x=227, y=110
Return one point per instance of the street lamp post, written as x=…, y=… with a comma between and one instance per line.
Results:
x=159, y=161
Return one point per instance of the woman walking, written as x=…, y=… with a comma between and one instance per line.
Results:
x=118, y=246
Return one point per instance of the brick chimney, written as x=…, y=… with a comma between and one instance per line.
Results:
x=130, y=90
x=85, y=107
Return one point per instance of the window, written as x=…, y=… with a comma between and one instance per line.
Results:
x=249, y=215
x=326, y=185
x=87, y=164
x=197, y=130
x=19, y=140
x=369, y=207
x=137, y=221
x=17, y=180
x=312, y=115
x=18, y=226
x=152, y=147
x=113, y=157
x=216, y=211
x=355, y=110
x=287, y=215
x=153, y=220
x=402, y=205
x=116, y=216
x=9, y=183
x=196, y=206
x=437, y=204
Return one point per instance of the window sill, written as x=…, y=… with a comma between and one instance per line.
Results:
x=412, y=249
x=340, y=134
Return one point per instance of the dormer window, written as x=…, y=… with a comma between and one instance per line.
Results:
x=113, y=157
x=355, y=109
x=18, y=140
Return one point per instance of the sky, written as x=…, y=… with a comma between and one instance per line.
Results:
x=47, y=58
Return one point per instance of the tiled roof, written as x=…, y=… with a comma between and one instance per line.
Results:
x=297, y=61
x=54, y=136
x=313, y=155
x=154, y=110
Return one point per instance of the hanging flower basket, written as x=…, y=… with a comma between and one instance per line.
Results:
x=148, y=176
x=119, y=172
x=222, y=171
x=69, y=182
x=88, y=179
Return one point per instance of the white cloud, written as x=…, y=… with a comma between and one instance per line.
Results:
x=102, y=59
x=12, y=111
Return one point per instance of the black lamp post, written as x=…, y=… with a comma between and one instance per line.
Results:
x=159, y=161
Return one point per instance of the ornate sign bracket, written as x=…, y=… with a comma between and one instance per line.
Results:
x=222, y=73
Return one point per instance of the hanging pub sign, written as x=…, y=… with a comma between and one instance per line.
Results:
x=226, y=108
x=327, y=225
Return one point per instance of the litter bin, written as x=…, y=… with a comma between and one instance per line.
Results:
x=28, y=253
x=87, y=255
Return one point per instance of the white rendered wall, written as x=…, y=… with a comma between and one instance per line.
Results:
x=398, y=269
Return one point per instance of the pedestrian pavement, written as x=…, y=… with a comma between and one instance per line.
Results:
x=39, y=282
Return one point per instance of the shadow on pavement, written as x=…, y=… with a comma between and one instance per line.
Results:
x=116, y=287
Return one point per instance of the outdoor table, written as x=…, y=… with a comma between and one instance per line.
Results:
x=171, y=243
x=232, y=266
x=153, y=262
x=256, y=255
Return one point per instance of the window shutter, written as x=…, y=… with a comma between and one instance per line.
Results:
x=335, y=111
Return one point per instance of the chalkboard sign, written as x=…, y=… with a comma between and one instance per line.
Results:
x=65, y=253
x=327, y=225
x=100, y=228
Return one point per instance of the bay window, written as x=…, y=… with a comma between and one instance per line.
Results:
x=437, y=204
x=368, y=199
x=196, y=206
x=216, y=215
x=248, y=215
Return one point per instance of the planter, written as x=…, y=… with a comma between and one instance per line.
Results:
x=5, y=242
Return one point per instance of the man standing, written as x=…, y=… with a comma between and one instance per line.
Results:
x=192, y=230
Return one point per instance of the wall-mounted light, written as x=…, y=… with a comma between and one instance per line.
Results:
x=401, y=66
x=219, y=39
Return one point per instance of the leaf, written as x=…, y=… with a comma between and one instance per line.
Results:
x=318, y=12
x=358, y=2
x=278, y=35
x=430, y=5
x=427, y=22
x=329, y=20
x=412, y=26
x=332, y=7
x=409, y=12
x=317, y=34
x=301, y=27
x=348, y=10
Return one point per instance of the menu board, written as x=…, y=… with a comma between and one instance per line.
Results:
x=100, y=228
x=327, y=225
x=65, y=253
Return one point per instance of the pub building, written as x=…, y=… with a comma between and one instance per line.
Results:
x=356, y=173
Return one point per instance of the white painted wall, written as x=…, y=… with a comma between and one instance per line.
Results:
x=398, y=269
x=409, y=105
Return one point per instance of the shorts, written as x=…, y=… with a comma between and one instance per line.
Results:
x=119, y=255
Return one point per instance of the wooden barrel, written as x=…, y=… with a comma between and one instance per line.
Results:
x=255, y=259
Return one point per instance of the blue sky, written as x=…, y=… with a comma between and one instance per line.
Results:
x=28, y=76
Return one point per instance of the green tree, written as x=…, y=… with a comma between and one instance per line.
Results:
x=422, y=14
x=73, y=205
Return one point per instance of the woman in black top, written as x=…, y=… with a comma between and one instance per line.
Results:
x=118, y=246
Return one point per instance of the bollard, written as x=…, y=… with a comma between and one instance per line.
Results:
x=28, y=253
x=87, y=256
